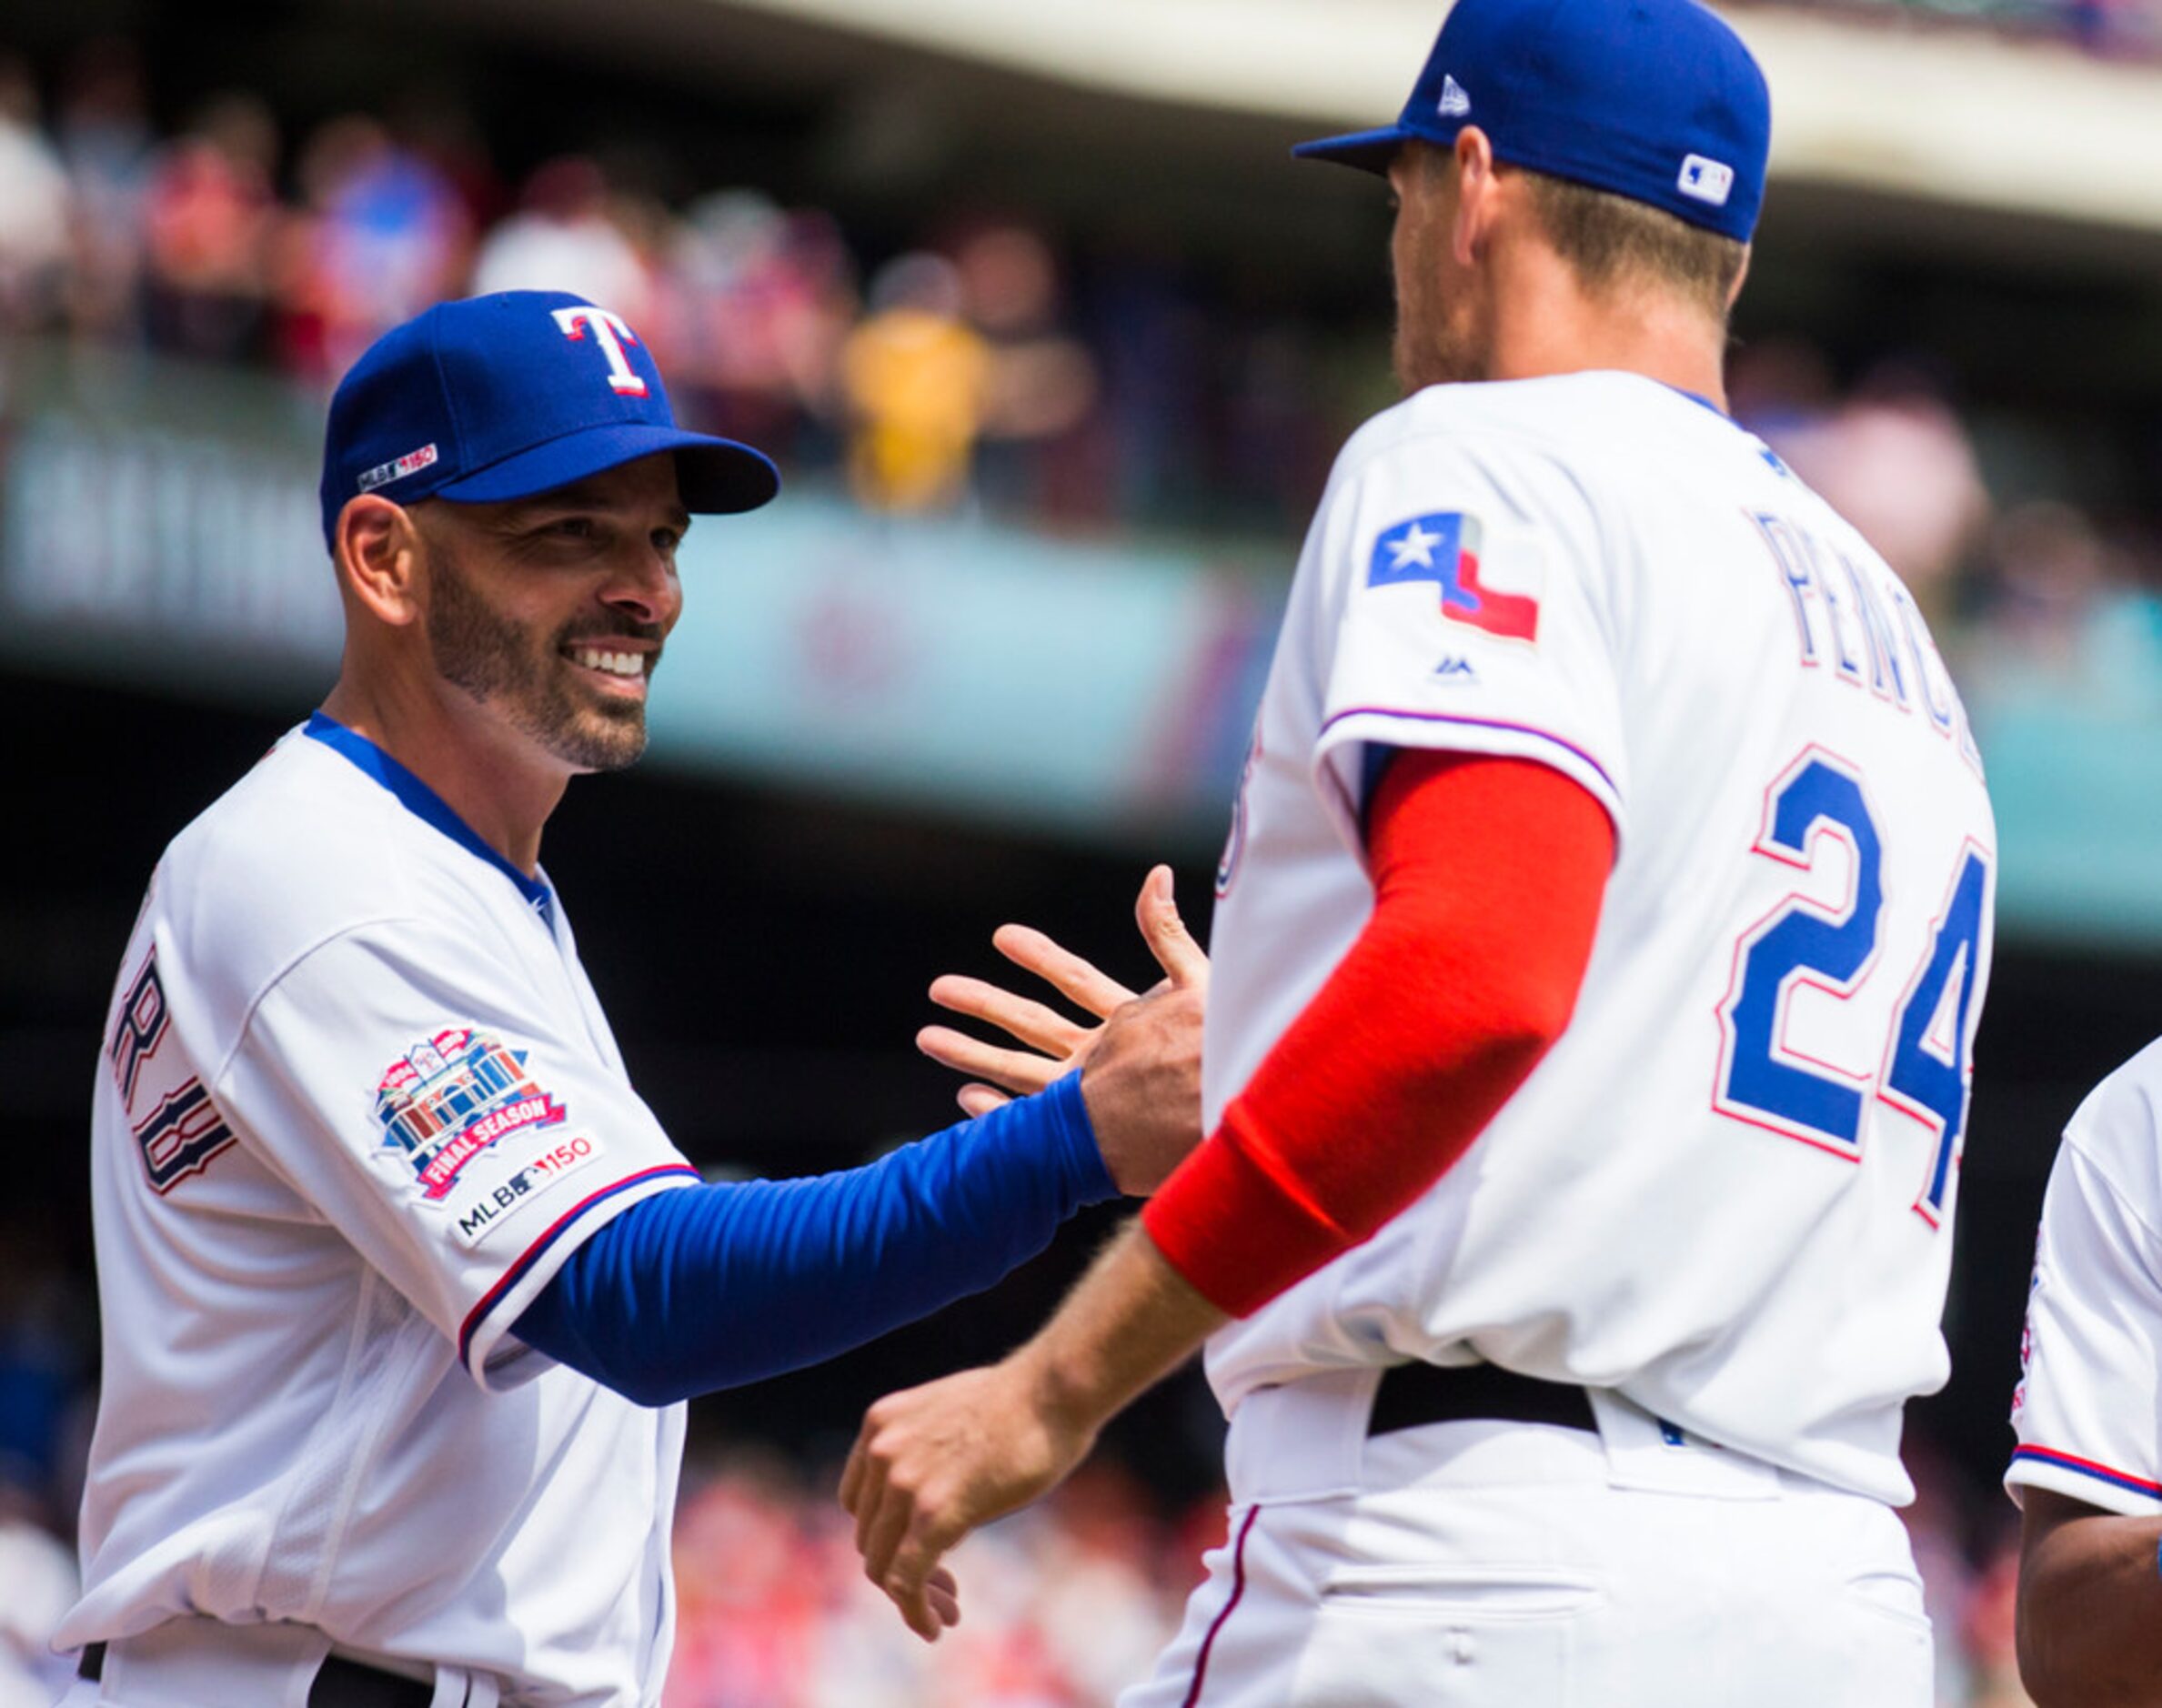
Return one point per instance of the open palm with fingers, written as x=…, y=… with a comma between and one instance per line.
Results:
x=1140, y=1061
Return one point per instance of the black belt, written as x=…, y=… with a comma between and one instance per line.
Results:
x=1412, y=1394
x=339, y=1684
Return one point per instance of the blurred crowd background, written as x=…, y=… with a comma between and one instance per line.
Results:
x=2110, y=27
x=958, y=362
x=985, y=364
x=976, y=366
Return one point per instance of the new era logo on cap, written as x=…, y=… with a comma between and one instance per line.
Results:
x=1711, y=181
x=1455, y=102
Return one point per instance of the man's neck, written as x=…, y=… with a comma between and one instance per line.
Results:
x=1544, y=323
x=485, y=775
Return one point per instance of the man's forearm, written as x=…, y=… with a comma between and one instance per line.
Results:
x=706, y=1288
x=2090, y=1606
x=1131, y=1319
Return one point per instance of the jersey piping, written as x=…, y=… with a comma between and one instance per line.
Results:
x=1349, y=712
x=2089, y=1468
x=534, y=1253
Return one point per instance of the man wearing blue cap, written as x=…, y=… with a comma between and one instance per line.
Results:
x=1598, y=952
x=402, y=1283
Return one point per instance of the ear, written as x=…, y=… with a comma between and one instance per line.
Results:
x=1477, y=186
x=1740, y=277
x=379, y=553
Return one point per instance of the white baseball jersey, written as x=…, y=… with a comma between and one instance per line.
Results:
x=2088, y=1408
x=357, y=1104
x=1727, y=1191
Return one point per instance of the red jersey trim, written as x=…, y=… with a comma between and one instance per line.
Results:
x=2090, y=1468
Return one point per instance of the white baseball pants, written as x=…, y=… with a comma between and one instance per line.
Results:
x=1485, y=1564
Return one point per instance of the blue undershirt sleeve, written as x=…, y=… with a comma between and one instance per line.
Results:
x=708, y=1287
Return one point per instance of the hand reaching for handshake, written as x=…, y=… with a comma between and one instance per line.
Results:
x=1141, y=1063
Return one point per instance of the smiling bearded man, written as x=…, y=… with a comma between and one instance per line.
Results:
x=402, y=1283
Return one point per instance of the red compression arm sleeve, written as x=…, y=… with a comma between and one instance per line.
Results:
x=1488, y=875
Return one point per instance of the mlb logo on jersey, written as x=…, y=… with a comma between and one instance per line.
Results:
x=451, y=1096
x=1443, y=548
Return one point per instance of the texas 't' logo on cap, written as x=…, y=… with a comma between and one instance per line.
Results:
x=611, y=334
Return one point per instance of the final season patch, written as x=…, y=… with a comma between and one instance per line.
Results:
x=451, y=1096
x=1444, y=548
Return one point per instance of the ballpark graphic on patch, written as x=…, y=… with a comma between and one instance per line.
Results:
x=1444, y=549
x=450, y=1098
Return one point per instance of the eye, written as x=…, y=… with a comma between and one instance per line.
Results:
x=574, y=528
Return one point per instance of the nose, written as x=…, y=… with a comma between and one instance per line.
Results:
x=645, y=587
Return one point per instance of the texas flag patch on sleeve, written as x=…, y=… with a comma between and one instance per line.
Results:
x=1444, y=547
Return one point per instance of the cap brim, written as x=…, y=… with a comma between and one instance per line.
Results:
x=1369, y=150
x=716, y=476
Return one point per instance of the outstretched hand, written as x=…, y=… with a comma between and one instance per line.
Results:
x=1142, y=1062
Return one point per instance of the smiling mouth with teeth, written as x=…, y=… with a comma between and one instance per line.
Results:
x=609, y=662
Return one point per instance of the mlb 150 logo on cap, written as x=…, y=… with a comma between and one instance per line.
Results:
x=1710, y=181
x=411, y=463
x=611, y=334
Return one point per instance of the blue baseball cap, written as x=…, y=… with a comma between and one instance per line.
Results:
x=509, y=396
x=1656, y=100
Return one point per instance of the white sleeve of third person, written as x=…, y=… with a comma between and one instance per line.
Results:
x=465, y=1136
x=2088, y=1408
x=1466, y=604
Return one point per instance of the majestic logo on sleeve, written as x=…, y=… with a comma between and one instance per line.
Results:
x=1444, y=549
x=452, y=1096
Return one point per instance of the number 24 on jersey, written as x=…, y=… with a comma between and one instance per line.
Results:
x=1927, y=1057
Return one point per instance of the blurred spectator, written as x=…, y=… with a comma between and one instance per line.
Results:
x=105, y=142
x=208, y=217
x=1042, y=383
x=1062, y=1605
x=382, y=234
x=760, y=303
x=34, y=206
x=748, y=1598
x=917, y=381
x=2066, y=625
x=566, y=236
x=435, y=124
x=1898, y=462
x=1153, y=337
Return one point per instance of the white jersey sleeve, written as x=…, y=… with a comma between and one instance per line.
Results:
x=1468, y=610
x=2088, y=1408
x=445, y=1124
